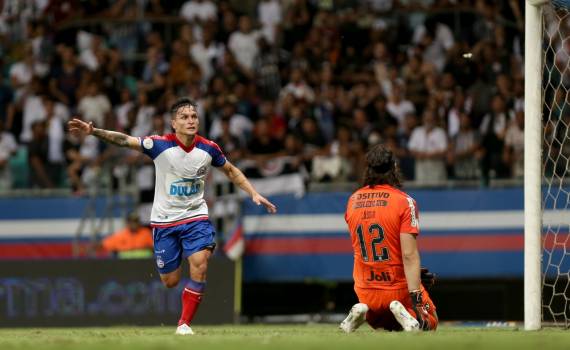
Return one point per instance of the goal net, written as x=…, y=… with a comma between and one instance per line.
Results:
x=556, y=163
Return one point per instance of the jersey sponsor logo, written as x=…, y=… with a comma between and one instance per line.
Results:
x=185, y=187
x=370, y=204
x=414, y=219
x=379, y=277
x=372, y=195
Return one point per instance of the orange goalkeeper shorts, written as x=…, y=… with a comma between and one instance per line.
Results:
x=379, y=314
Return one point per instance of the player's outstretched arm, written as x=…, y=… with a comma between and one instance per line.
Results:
x=79, y=127
x=238, y=178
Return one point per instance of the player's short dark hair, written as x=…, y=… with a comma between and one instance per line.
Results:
x=381, y=168
x=181, y=102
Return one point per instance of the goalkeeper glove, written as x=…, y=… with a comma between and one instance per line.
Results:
x=419, y=307
x=427, y=277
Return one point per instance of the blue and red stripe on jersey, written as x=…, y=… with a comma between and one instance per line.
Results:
x=218, y=158
x=162, y=143
x=159, y=144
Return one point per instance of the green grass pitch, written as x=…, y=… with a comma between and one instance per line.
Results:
x=272, y=337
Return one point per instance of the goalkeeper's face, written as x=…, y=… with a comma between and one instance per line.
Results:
x=186, y=121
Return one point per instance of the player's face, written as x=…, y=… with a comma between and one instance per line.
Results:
x=186, y=121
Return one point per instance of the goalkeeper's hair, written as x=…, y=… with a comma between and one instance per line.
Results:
x=381, y=168
x=181, y=102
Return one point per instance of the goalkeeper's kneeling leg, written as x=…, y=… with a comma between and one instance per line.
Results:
x=356, y=317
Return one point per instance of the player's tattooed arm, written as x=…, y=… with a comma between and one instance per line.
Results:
x=112, y=137
x=79, y=127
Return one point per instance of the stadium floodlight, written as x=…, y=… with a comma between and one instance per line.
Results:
x=547, y=127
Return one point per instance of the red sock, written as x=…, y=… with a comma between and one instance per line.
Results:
x=191, y=298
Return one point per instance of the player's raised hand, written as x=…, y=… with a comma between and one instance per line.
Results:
x=260, y=200
x=80, y=128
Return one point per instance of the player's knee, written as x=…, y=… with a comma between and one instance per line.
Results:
x=170, y=282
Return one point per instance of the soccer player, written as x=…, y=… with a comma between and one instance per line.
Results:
x=383, y=223
x=179, y=217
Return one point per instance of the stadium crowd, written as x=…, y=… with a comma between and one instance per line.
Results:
x=282, y=86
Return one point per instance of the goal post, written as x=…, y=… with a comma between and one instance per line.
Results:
x=533, y=165
x=547, y=164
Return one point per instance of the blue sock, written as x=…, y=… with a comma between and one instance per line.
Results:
x=197, y=287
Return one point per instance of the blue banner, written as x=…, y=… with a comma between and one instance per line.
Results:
x=467, y=233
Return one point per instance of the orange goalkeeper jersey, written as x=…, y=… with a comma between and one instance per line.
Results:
x=376, y=217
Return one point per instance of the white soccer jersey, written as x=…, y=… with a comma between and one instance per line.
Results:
x=180, y=173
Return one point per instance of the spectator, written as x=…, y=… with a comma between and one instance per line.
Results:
x=94, y=106
x=400, y=140
x=398, y=106
x=324, y=112
x=7, y=108
x=518, y=95
x=229, y=24
x=292, y=154
x=122, y=109
x=414, y=77
x=342, y=159
x=428, y=145
x=361, y=126
x=124, y=35
x=312, y=139
x=32, y=106
x=66, y=77
x=144, y=112
x=228, y=141
x=493, y=129
x=56, y=136
x=239, y=124
x=270, y=17
x=298, y=87
x=465, y=154
x=38, y=156
x=296, y=23
x=94, y=53
x=155, y=64
x=262, y=145
x=133, y=241
x=243, y=44
x=267, y=69
x=22, y=72
x=207, y=54
x=278, y=124
x=8, y=148
x=381, y=63
x=379, y=115
x=460, y=105
x=199, y=10
x=513, y=154
x=435, y=39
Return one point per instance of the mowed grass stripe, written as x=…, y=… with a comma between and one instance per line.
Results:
x=253, y=337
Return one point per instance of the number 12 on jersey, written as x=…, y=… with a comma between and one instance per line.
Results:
x=376, y=231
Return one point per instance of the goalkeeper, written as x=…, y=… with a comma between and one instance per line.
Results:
x=384, y=223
